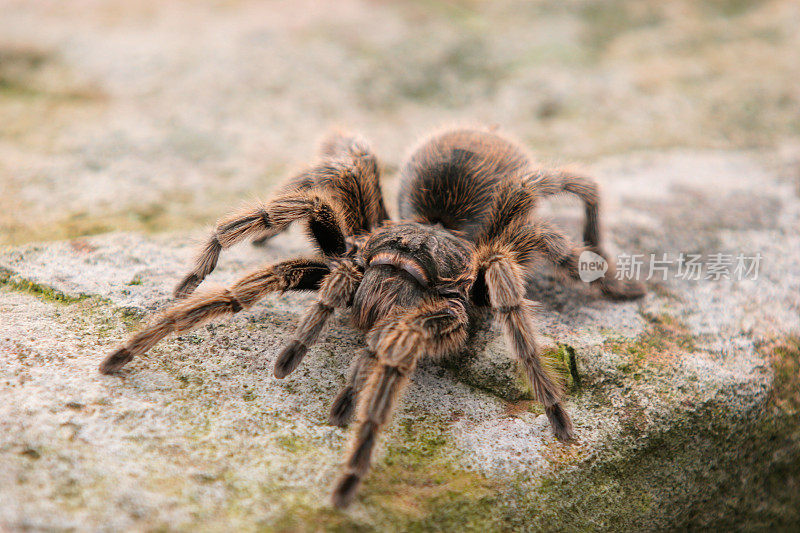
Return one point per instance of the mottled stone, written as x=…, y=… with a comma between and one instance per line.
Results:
x=198, y=432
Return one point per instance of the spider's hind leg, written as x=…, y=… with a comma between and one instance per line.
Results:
x=302, y=182
x=339, y=197
x=560, y=250
x=335, y=145
x=546, y=239
x=545, y=183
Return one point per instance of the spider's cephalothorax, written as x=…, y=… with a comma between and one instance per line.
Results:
x=467, y=242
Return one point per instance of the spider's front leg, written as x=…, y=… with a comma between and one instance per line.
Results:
x=324, y=222
x=336, y=290
x=435, y=328
x=296, y=274
x=502, y=283
x=344, y=403
x=339, y=197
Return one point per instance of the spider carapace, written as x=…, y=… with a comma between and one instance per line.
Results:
x=466, y=244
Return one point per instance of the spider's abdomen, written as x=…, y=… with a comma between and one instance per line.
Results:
x=453, y=177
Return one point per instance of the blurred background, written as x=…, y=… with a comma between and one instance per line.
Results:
x=154, y=116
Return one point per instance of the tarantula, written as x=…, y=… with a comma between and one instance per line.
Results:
x=466, y=243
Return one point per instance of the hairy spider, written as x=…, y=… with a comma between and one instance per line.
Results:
x=467, y=242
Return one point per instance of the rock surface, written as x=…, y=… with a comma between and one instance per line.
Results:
x=154, y=118
x=676, y=399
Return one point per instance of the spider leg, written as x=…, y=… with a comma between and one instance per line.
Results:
x=435, y=328
x=505, y=247
x=302, y=182
x=339, y=197
x=296, y=274
x=509, y=227
x=324, y=222
x=348, y=171
x=501, y=281
x=351, y=174
x=546, y=239
x=336, y=290
x=343, y=405
x=550, y=182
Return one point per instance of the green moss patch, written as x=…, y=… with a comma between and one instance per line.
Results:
x=665, y=339
x=785, y=357
x=416, y=485
x=418, y=482
x=49, y=294
x=564, y=362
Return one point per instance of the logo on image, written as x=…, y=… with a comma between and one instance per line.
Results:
x=591, y=266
